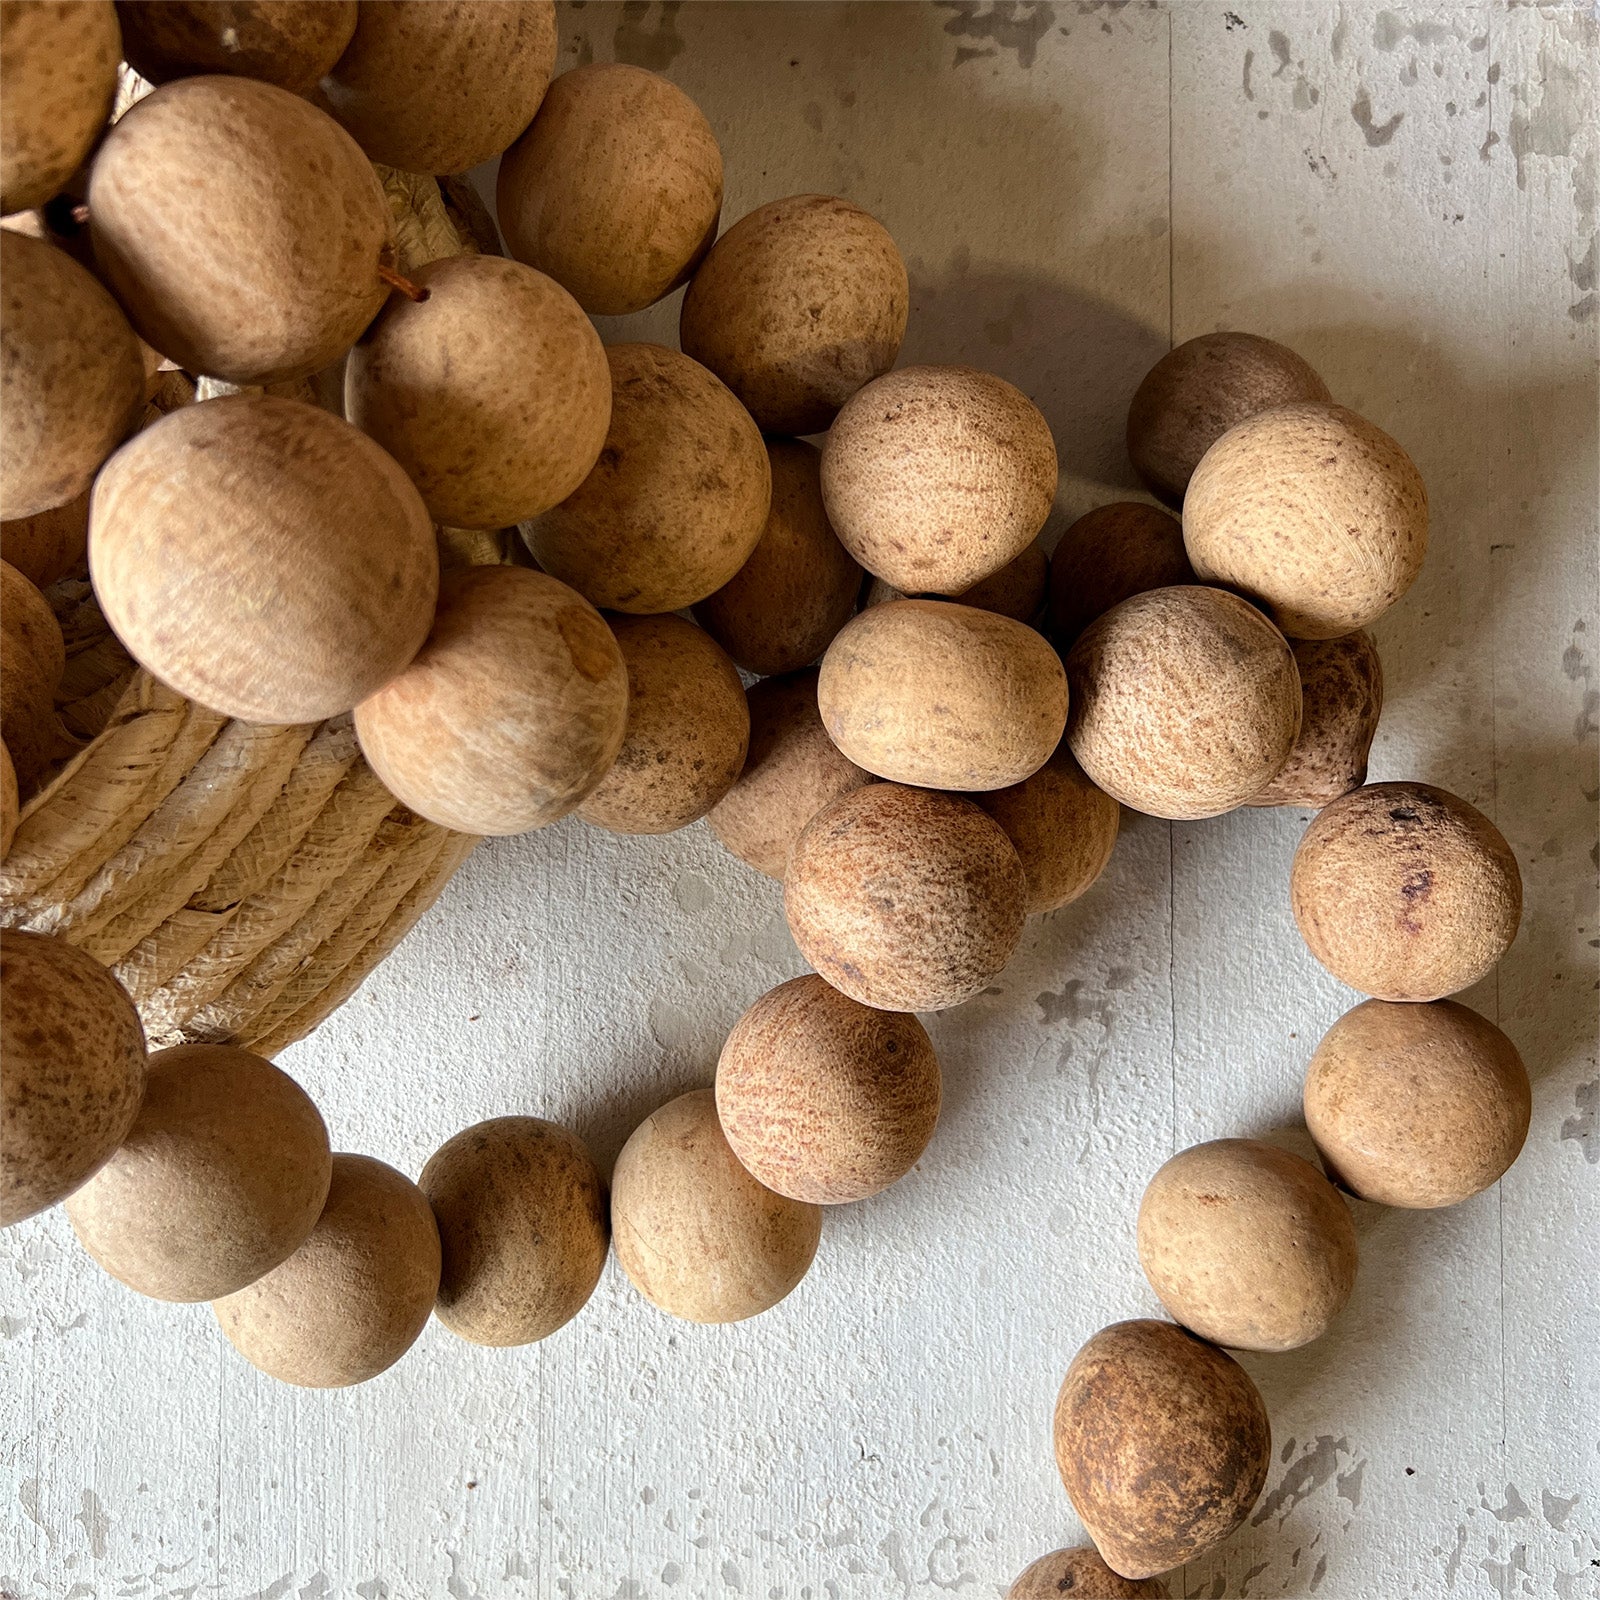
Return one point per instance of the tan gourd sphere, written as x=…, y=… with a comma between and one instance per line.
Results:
x=50, y=544
x=512, y=712
x=58, y=77
x=615, y=189
x=10, y=802
x=905, y=899
x=1081, y=1573
x=439, y=86
x=74, y=1055
x=71, y=380
x=824, y=1099
x=353, y=1298
x=1062, y=827
x=241, y=229
x=1109, y=555
x=688, y=729
x=523, y=1229
x=791, y=771
x=1200, y=389
x=1405, y=891
x=33, y=657
x=678, y=499
x=796, y=307
x=779, y=611
x=943, y=695
x=1162, y=1442
x=1247, y=1245
x=287, y=42
x=1312, y=511
x=699, y=1237
x=1341, y=690
x=1417, y=1105
x=285, y=604
x=1017, y=590
x=222, y=1175
x=493, y=393
x=1185, y=702
x=936, y=477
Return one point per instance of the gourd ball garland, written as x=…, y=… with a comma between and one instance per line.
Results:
x=48, y=545
x=287, y=42
x=33, y=657
x=1109, y=555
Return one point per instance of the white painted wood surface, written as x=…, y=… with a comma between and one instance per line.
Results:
x=1407, y=196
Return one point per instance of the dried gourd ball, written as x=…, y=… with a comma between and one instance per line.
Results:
x=781, y=609
x=287, y=604
x=439, y=86
x=688, y=729
x=791, y=771
x=74, y=1057
x=522, y=1229
x=697, y=1235
x=1341, y=690
x=1312, y=511
x=1109, y=555
x=1163, y=1445
x=58, y=77
x=353, y=1298
x=678, y=499
x=1417, y=1105
x=221, y=1177
x=1247, y=1245
x=936, y=477
x=1405, y=891
x=33, y=657
x=824, y=1099
x=512, y=712
x=287, y=42
x=1081, y=1573
x=796, y=307
x=943, y=695
x=1017, y=590
x=10, y=802
x=493, y=393
x=615, y=188
x=1200, y=389
x=50, y=544
x=1062, y=827
x=1185, y=702
x=905, y=899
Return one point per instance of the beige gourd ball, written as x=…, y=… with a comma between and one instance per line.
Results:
x=33, y=656
x=1081, y=1573
x=287, y=601
x=781, y=609
x=74, y=1056
x=1312, y=511
x=10, y=802
x=1200, y=389
x=688, y=729
x=943, y=695
x=1417, y=1105
x=1405, y=891
x=512, y=712
x=439, y=86
x=796, y=307
x=678, y=499
x=1185, y=702
x=58, y=77
x=1062, y=827
x=493, y=393
x=50, y=544
x=241, y=229
x=698, y=1236
x=221, y=1177
x=287, y=42
x=824, y=1099
x=523, y=1229
x=936, y=477
x=353, y=1298
x=615, y=188
x=1162, y=1442
x=905, y=899
x=1341, y=690
x=1017, y=590
x=1109, y=555
x=71, y=379
x=791, y=771
x=1247, y=1245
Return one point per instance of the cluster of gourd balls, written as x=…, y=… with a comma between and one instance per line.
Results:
x=955, y=763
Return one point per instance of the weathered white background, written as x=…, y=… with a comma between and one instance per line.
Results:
x=1408, y=197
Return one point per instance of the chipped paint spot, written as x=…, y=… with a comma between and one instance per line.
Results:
x=1315, y=1465
x=96, y=1524
x=1388, y=30
x=1547, y=127
x=1514, y=1510
x=1581, y=1127
x=643, y=46
x=1014, y=25
x=1452, y=1567
x=1556, y=1508
x=1376, y=134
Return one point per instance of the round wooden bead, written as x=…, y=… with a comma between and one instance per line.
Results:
x=1109, y=555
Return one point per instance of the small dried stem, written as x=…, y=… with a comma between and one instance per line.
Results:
x=395, y=280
